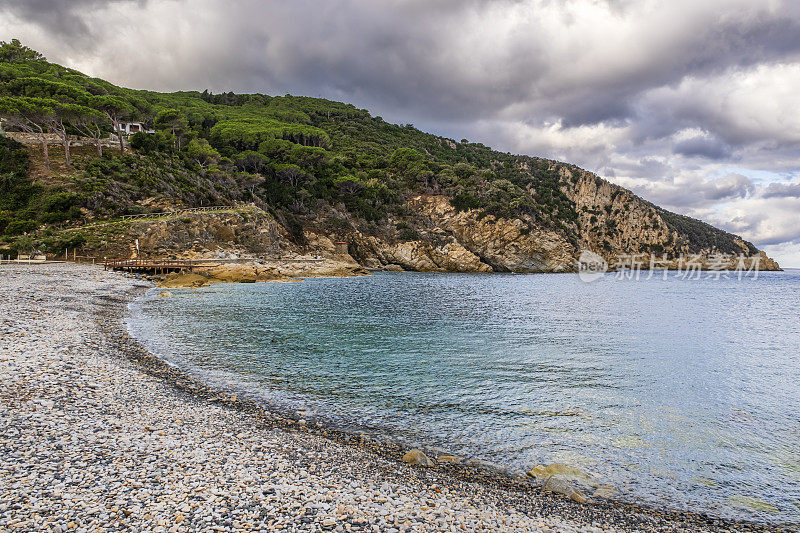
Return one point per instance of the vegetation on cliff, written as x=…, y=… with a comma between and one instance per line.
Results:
x=307, y=161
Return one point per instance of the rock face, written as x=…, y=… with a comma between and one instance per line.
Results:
x=614, y=221
x=466, y=242
x=611, y=221
x=251, y=232
x=505, y=245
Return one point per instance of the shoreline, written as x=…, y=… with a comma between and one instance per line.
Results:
x=512, y=502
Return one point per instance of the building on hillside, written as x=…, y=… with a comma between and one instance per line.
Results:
x=129, y=128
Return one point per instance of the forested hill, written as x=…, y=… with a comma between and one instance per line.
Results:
x=317, y=171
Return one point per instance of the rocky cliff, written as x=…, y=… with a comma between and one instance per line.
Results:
x=612, y=221
x=453, y=241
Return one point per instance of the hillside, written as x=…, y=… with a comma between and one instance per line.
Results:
x=299, y=174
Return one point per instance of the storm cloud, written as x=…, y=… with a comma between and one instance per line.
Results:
x=691, y=104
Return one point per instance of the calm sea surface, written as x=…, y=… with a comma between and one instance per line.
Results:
x=684, y=393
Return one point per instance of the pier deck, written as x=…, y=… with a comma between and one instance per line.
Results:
x=152, y=266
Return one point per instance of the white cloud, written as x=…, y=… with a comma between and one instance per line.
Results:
x=787, y=254
x=767, y=221
x=740, y=106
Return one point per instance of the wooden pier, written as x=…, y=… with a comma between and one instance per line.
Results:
x=151, y=266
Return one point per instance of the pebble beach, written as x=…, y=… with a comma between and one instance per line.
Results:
x=98, y=435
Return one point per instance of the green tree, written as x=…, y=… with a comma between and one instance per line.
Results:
x=174, y=121
x=38, y=87
x=116, y=109
x=68, y=114
x=92, y=125
x=15, y=51
x=31, y=115
x=291, y=174
x=349, y=185
x=404, y=159
x=201, y=152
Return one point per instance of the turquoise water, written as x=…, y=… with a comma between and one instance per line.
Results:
x=681, y=393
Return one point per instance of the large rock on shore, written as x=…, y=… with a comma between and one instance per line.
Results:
x=563, y=485
x=570, y=481
x=417, y=457
x=247, y=273
x=258, y=272
x=183, y=279
x=559, y=469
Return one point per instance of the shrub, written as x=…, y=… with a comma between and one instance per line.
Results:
x=18, y=227
x=76, y=240
x=465, y=201
x=22, y=244
x=408, y=234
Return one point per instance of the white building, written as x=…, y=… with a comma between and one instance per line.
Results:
x=129, y=128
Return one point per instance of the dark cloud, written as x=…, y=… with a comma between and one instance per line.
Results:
x=659, y=95
x=782, y=190
x=63, y=18
x=697, y=194
x=729, y=187
x=448, y=60
x=710, y=148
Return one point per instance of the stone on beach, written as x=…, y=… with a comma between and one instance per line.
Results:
x=558, y=469
x=417, y=457
x=564, y=486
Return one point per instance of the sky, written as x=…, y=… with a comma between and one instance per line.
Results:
x=693, y=105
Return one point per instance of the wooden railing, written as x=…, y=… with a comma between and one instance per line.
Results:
x=182, y=211
x=150, y=265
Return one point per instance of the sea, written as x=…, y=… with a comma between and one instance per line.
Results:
x=680, y=391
